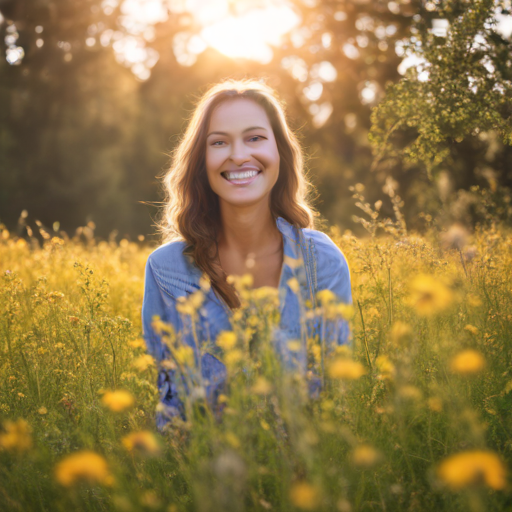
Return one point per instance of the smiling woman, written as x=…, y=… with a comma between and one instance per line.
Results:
x=236, y=205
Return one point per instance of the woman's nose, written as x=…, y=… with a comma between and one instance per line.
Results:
x=240, y=153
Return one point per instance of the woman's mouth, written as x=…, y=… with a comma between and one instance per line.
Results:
x=240, y=177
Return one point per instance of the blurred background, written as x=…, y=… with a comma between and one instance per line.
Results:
x=94, y=95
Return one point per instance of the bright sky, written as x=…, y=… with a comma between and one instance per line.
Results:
x=245, y=28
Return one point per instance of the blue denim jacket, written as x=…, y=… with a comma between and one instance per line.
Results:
x=309, y=255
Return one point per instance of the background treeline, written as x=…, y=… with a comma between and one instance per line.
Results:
x=83, y=138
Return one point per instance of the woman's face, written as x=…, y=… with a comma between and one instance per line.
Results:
x=242, y=160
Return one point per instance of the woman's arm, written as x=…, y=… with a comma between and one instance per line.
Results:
x=155, y=303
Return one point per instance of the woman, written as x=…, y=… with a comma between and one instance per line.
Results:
x=236, y=204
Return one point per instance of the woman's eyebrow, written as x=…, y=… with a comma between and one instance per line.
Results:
x=246, y=130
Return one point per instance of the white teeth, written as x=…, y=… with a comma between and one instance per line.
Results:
x=240, y=175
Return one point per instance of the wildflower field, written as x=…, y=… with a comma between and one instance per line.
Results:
x=415, y=416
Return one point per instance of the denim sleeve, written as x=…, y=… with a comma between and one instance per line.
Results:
x=333, y=274
x=155, y=303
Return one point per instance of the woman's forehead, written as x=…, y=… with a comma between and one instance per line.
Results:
x=238, y=114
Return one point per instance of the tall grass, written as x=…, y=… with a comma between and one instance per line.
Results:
x=415, y=417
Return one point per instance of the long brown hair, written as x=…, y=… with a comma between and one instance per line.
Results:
x=191, y=210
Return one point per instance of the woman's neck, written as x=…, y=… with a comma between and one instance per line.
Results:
x=249, y=230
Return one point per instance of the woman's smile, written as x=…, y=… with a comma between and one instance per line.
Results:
x=244, y=176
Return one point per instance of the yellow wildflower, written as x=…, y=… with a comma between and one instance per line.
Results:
x=143, y=442
x=84, y=466
x=294, y=345
x=266, y=293
x=184, y=306
x=118, y=401
x=473, y=467
x=472, y=329
x=185, y=355
x=226, y=340
x=346, y=369
x=246, y=281
x=17, y=436
x=467, y=362
x=205, y=283
x=196, y=299
x=232, y=357
x=160, y=327
x=42, y=410
x=428, y=295
x=325, y=297
x=262, y=386
x=143, y=362
x=294, y=285
x=292, y=262
x=365, y=456
x=137, y=343
x=346, y=311
x=304, y=495
x=385, y=367
x=232, y=440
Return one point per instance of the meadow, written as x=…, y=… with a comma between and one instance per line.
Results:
x=415, y=416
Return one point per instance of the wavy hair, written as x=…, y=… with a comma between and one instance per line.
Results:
x=191, y=212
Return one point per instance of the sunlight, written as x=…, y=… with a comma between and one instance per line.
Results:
x=251, y=35
x=245, y=29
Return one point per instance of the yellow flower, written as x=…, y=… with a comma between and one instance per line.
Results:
x=472, y=329
x=137, y=343
x=304, y=495
x=17, y=436
x=292, y=262
x=385, y=367
x=143, y=362
x=428, y=295
x=294, y=345
x=205, y=283
x=83, y=466
x=325, y=297
x=143, y=442
x=346, y=369
x=346, y=311
x=118, y=401
x=266, y=293
x=473, y=467
x=294, y=285
x=42, y=410
x=467, y=362
x=365, y=456
x=232, y=357
x=185, y=355
x=262, y=386
x=226, y=340
x=160, y=327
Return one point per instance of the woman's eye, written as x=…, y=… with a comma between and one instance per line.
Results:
x=256, y=138
x=218, y=143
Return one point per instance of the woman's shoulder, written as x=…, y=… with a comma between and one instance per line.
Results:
x=326, y=251
x=332, y=268
x=170, y=258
